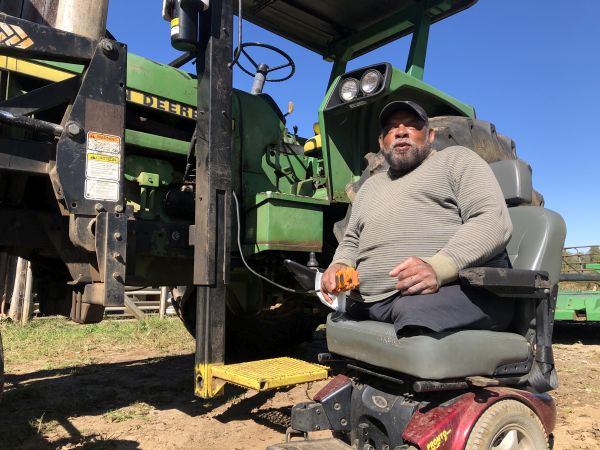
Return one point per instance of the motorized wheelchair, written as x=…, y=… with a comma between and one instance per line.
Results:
x=470, y=389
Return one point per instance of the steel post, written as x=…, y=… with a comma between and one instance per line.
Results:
x=211, y=232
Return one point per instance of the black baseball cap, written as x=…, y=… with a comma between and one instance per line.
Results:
x=401, y=105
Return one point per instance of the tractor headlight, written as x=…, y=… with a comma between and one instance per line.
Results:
x=349, y=89
x=370, y=81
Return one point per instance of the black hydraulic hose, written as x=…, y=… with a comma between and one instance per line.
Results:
x=239, y=243
x=30, y=123
x=587, y=276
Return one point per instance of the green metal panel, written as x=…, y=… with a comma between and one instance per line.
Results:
x=157, y=143
x=161, y=80
x=578, y=305
x=149, y=76
x=352, y=132
x=285, y=222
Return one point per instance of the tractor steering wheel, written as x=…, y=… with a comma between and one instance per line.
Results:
x=263, y=68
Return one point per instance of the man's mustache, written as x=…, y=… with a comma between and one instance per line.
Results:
x=404, y=141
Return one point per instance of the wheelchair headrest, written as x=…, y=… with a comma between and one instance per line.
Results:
x=514, y=177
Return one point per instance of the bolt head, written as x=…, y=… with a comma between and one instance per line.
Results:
x=107, y=45
x=119, y=208
x=99, y=207
x=118, y=236
x=73, y=129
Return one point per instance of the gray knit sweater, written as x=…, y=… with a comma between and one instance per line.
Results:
x=449, y=211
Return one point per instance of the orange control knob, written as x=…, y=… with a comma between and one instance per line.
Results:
x=345, y=280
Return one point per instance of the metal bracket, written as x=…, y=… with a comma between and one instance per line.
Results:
x=90, y=151
x=111, y=251
x=205, y=385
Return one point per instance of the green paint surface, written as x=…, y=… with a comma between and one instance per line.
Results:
x=578, y=305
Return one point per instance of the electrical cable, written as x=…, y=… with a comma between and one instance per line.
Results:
x=239, y=243
x=239, y=47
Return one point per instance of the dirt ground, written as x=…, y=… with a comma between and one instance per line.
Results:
x=136, y=400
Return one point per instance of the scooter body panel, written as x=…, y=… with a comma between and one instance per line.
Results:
x=447, y=426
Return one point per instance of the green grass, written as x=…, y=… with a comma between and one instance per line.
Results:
x=138, y=410
x=60, y=343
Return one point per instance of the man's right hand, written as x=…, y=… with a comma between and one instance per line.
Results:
x=328, y=283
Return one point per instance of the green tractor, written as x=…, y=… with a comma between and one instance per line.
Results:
x=118, y=171
x=580, y=268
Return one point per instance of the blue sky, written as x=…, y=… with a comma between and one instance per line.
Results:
x=530, y=67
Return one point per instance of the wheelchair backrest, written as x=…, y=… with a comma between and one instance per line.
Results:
x=538, y=233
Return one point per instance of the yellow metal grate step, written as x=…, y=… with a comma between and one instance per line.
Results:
x=270, y=373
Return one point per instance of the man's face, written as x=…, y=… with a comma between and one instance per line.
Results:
x=405, y=141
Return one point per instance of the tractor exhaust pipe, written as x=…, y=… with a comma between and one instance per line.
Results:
x=83, y=17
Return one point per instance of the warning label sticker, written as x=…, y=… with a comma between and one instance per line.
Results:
x=101, y=190
x=102, y=167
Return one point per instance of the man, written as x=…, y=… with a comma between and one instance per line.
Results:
x=415, y=226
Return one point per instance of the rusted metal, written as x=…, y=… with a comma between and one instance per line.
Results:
x=83, y=17
x=38, y=11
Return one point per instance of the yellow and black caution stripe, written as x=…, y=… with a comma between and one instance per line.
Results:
x=14, y=36
x=53, y=74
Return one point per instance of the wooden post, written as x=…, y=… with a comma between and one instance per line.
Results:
x=27, y=298
x=132, y=307
x=164, y=293
x=16, y=301
x=5, y=260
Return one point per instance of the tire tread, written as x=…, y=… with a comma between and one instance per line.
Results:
x=484, y=428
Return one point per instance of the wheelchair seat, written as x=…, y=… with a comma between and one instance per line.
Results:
x=536, y=244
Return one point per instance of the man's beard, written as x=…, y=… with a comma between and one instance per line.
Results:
x=403, y=161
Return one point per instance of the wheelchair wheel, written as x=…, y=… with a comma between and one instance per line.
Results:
x=508, y=424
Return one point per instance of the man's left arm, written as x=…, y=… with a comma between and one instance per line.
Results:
x=486, y=227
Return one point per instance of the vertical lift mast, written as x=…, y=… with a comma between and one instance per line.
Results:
x=211, y=233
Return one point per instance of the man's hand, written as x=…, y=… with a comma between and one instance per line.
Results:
x=328, y=283
x=415, y=276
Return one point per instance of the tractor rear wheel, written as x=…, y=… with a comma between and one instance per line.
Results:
x=508, y=424
x=269, y=332
x=478, y=135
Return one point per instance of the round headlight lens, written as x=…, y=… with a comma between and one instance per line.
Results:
x=370, y=81
x=349, y=89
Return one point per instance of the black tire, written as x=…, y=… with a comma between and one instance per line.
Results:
x=478, y=135
x=504, y=422
x=269, y=332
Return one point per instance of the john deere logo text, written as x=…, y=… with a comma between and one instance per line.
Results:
x=440, y=439
x=14, y=36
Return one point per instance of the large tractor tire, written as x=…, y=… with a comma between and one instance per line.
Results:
x=508, y=424
x=478, y=135
x=272, y=331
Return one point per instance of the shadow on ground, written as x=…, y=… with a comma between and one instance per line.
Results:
x=586, y=333
x=34, y=399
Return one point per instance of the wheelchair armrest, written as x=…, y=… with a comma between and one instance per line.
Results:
x=507, y=282
x=303, y=274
